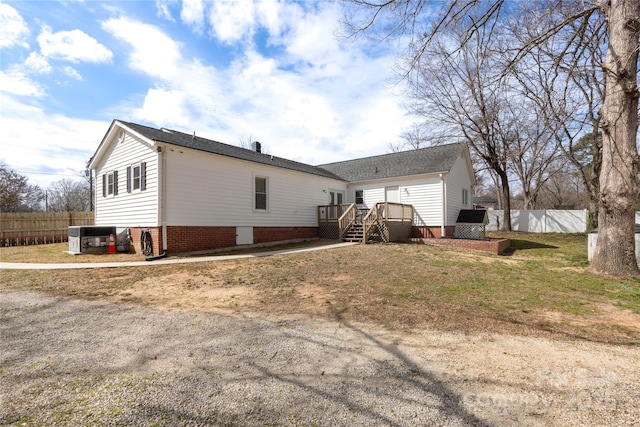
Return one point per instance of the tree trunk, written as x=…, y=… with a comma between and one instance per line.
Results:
x=615, y=250
x=506, y=201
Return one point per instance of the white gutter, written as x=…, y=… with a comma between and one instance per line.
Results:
x=162, y=188
x=444, y=204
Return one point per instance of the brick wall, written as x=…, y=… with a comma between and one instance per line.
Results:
x=156, y=239
x=191, y=239
x=182, y=239
x=431, y=232
x=494, y=246
x=275, y=234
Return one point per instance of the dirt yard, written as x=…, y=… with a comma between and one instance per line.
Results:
x=73, y=362
x=322, y=339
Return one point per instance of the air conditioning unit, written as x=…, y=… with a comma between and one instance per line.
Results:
x=94, y=239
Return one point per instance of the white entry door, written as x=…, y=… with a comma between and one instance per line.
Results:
x=392, y=194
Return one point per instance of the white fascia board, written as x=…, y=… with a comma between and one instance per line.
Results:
x=399, y=178
x=110, y=137
x=467, y=158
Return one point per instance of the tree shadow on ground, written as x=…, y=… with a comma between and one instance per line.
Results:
x=523, y=245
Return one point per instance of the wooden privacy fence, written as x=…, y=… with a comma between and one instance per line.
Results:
x=36, y=228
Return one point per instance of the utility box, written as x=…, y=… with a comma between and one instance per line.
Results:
x=95, y=239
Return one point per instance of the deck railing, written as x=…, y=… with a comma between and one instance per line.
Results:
x=328, y=214
x=375, y=220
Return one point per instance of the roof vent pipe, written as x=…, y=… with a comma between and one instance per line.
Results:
x=256, y=146
x=194, y=135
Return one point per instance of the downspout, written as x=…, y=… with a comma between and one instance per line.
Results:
x=162, y=185
x=444, y=205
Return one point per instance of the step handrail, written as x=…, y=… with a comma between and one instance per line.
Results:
x=347, y=219
x=371, y=220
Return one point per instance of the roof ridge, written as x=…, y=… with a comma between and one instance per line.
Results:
x=393, y=154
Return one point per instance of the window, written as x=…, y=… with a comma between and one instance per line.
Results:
x=261, y=193
x=110, y=184
x=136, y=177
x=359, y=197
x=465, y=197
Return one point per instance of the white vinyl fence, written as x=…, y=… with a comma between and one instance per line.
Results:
x=543, y=221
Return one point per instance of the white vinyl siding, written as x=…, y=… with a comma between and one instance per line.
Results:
x=125, y=209
x=458, y=179
x=424, y=193
x=210, y=190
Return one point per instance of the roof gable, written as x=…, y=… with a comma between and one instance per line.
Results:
x=436, y=159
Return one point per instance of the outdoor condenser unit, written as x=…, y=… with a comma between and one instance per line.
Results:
x=94, y=239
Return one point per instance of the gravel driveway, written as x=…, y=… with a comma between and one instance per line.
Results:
x=86, y=363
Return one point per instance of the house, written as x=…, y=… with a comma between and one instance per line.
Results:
x=195, y=194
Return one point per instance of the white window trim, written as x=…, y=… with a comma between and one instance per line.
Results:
x=253, y=193
x=355, y=196
x=465, y=197
x=111, y=175
x=130, y=177
x=335, y=192
x=133, y=167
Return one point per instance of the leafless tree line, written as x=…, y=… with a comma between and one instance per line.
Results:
x=535, y=88
x=66, y=195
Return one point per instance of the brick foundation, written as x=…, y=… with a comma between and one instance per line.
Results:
x=275, y=234
x=431, y=232
x=156, y=239
x=181, y=239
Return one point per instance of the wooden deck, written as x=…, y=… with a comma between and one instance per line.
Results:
x=384, y=221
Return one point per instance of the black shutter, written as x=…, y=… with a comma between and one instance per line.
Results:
x=143, y=176
x=115, y=183
x=128, y=179
x=104, y=185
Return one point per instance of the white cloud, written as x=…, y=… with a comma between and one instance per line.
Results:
x=37, y=63
x=270, y=14
x=72, y=72
x=13, y=29
x=163, y=107
x=311, y=39
x=315, y=102
x=163, y=11
x=73, y=46
x=232, y=20
x=18, y=83
x=58, y=145
x=154, y=53
x=192, y=14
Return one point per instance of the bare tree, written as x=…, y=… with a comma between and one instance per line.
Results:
x=457, y=91
x=532, y=149
x=16, y=194
x=420, y=21
x=568, y=90
x=68, y=195
x=413, y=138
x=564, y=190
x=248, y=141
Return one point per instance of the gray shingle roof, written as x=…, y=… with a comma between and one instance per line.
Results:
x=414, y=162
x=202, y=144
x=435, y=159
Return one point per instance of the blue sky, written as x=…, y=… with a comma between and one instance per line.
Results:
x=270, y=70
